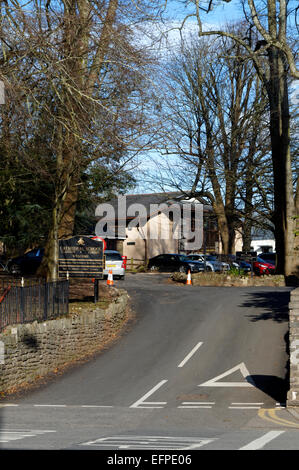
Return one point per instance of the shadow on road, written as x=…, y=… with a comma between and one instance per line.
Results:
x=273, y=386
x=276, y=387
x=270, y=305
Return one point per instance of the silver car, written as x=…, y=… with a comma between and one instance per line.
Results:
x=114, y=261
x=218, y=265
x=198, y=257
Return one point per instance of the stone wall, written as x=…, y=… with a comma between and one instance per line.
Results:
x=31, y=351
x=227, y=280
x=293, y=394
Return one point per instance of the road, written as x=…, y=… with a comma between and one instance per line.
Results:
x=199, y=368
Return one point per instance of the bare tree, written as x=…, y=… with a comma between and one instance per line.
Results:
x=84, y=78
x=273, y=57
x=213, y=114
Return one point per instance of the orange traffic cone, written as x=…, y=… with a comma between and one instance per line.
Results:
x=110, y=278
x=189, y=282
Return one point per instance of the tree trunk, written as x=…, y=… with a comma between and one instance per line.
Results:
x=248, y=208
x=86, y=75
x=284, y=203
x=231, y=234
x=222, y=226
x=72, y=162
x=246, y=235
x=66, y=227
x=49, y=265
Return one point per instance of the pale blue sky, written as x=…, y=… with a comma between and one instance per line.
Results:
x=220, y=14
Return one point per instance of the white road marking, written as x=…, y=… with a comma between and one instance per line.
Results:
x=214, y=382
x=51, y=406
x=96, y=406
x=8, y=405
x=150, y=442
x=156, y=402
x=245, y=406
x=190, y=354
x=142, y=401
x=262, y=441
x=7, y=435
x=197, y=404
x=39, y=405
x=245, y=403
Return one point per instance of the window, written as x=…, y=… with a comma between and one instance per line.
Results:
x=113, y=257
x=33, y=253
x=183, y=258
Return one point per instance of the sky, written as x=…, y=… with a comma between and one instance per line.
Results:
x=219, y=14
x=176, y=12
x=222, y=14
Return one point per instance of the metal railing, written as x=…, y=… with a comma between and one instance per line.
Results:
x=25, y=302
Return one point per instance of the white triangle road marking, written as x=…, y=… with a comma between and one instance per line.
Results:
x=215, y=381
x=141, y=401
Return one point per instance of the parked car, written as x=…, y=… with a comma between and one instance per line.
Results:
x=261, y=267
x=269, y=258
x=218, y=265
x=174, y=262
x=245, y=266
x=224, y=264
x=27, y=263
x=231, y=259
x=198, y=257
x=114, y=261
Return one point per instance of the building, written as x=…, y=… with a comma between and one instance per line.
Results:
x=262, y=241
x=141, y=226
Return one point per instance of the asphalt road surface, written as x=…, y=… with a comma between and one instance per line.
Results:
x=199, y=368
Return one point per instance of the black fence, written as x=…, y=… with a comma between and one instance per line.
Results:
x=27, y=301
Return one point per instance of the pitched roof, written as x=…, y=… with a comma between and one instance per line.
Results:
x=262, y=234
x=148, y=200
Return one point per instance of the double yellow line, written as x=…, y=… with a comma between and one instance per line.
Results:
x=269, y=414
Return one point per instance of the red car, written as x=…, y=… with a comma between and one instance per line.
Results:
x=261, y=267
